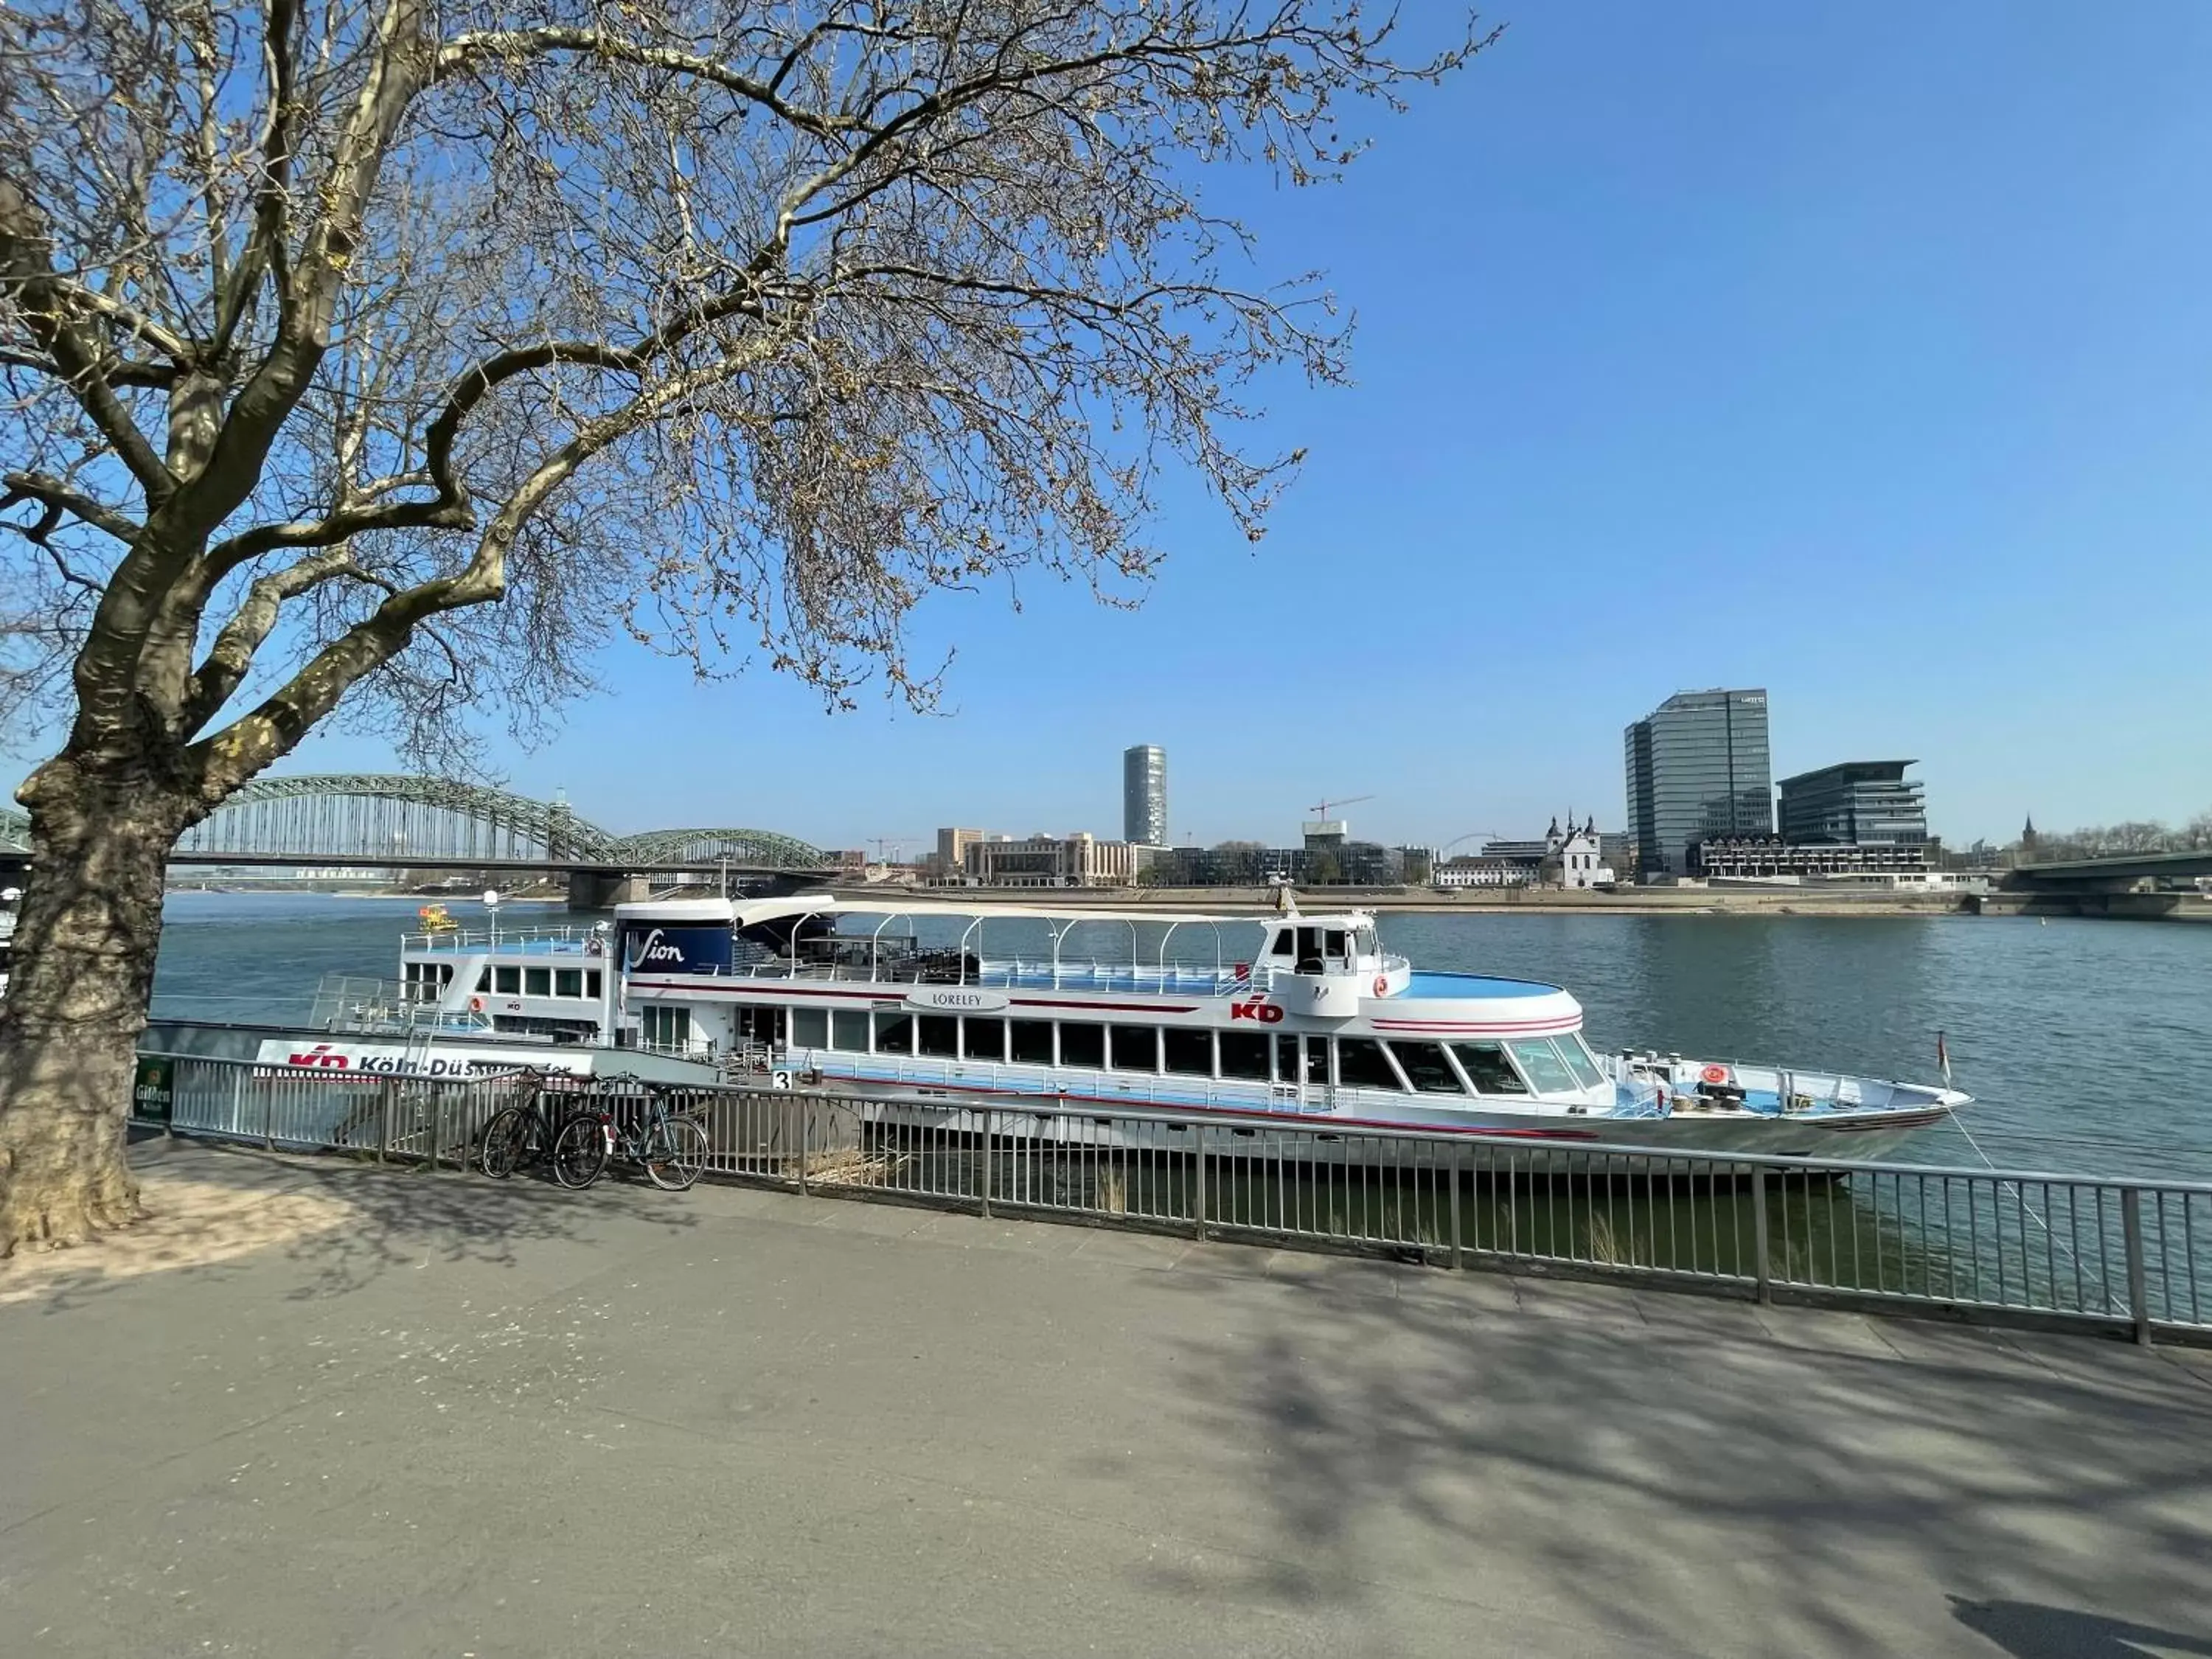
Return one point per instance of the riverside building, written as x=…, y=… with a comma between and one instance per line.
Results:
x=1145, y=795
x=1077, y=861
x=1857, y=802
x=1698, y=770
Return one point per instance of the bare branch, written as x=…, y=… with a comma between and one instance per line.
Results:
x=737, y=328
x=472, y=51
x=60, y=498
x=265, y=252
x=28, y=283
x=232, y=654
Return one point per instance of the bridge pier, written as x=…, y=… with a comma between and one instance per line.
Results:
x=602, y=889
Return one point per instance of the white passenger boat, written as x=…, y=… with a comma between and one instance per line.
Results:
x=947, y=1011
x=9, y=899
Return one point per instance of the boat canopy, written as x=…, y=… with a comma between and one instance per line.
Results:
x=780, y=909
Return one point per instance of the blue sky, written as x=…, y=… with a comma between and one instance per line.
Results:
x=1864, y=355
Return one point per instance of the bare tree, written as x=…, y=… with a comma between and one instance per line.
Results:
x=394, y=354
x=2120, y=840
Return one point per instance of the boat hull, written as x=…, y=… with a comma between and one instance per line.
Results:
x=1472, y=1139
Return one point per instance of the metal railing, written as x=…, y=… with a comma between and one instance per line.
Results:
x=346, y=1002
x=544, y=940
x=2002, y=1246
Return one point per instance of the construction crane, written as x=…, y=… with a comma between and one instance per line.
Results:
x=889, y=849
x=1321, y=811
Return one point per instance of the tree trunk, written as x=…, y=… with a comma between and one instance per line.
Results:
x=85, y=939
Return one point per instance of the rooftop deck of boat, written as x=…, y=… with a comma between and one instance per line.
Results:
x=948, y=966
x=511, y=942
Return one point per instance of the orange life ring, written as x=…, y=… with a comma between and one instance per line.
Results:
x=476, y=1005
x=1714, y=1074
x=1382, y=985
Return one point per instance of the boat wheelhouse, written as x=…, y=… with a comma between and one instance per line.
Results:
x=1302, y=1017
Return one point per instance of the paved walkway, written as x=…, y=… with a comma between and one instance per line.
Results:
x=467, y=1418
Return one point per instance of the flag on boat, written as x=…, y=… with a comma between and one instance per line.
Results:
x=1943, y=1059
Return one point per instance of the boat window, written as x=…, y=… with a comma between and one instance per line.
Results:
x=1488, y=1069
x=1187, y=1052
x=1082, y=1045
x=510, y=981
x=1334, y=947
x=1032, y=1041
x=1316, y=1060
x=444, y=973
x=810, y=1028
x=1308, y=950
x=893, y=1034
x=1361, y=1064
x=1578, y=1061
x=1136, y=1047
x=538, y=981
x=483, y=979
x=568, y=981
x=592, y=983
x=983, y=1039
x=1542, y=1061
x=1425, y=1064
x=939, y=1035
x=848, y=1030
x=1282, y=944
x=1244, y=1053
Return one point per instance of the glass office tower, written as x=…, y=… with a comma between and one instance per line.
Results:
x=1856, y=803
x=1698, y=770
x=1145, y=795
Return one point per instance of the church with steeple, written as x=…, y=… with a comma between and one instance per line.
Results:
x=1572, y=856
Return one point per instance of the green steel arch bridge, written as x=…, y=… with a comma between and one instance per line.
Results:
x=397, y=821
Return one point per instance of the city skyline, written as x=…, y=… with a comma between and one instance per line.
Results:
x=1897, y=382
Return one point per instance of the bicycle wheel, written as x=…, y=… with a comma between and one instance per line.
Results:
x=674, y=1153
x=505, y=1141
x=580, y=1151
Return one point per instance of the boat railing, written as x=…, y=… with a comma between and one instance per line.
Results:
x=544, y=941
x=1787, y=1083
x=346, y=1002
x=1000, y=974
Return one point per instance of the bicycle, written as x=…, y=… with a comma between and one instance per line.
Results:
x=519, y=1134
x=670, y=1147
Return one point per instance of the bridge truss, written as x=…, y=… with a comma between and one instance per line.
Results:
x=390, y=818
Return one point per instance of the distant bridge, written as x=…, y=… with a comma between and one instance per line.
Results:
x=396, y=821
x=2111, y=873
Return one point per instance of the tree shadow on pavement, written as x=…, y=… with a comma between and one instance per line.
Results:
x=406, y=1216
x=346, y=1223
x=2029, y=1632
x=1664, y=1472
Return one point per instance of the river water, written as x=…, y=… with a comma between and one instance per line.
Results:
x=2087, y=1044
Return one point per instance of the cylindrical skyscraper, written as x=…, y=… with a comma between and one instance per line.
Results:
x=1145, y=795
